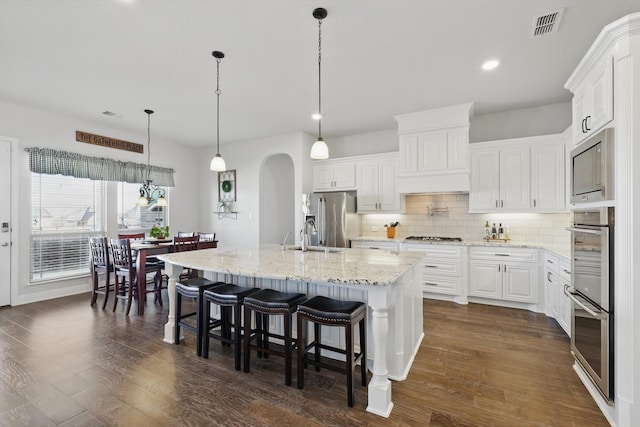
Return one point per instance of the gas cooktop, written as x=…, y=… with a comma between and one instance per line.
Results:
x=434, y=239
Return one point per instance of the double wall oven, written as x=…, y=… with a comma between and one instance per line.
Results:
x=592, y=292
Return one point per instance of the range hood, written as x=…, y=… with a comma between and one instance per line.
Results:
x=434, y=150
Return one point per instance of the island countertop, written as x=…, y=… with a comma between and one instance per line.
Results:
x=344, y=266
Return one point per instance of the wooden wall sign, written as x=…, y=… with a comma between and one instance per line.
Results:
x=105, y=141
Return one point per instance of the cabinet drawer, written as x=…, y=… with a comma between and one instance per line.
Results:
x=441, y=267
x=443, y=285
x=435, y=251
x=504, y=254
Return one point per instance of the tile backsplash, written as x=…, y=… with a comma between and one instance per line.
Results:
x=450, y=217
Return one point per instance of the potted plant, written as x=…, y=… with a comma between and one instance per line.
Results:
x=159, y=232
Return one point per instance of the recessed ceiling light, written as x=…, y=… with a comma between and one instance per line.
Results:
x=316, y=116
x=490, y=65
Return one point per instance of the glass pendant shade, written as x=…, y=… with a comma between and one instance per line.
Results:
x=218, y=164
x=142, y=201
x=161, y=201
x=319, y=150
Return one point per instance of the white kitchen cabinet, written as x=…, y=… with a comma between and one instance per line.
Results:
x=557, y=277
x=443, y=267
x=499, y=179
x=519, y=175
x=548, y=177
x=376, y=184
x=593, y=101
x=434, y=151
x=509, y=274
x=334, y=175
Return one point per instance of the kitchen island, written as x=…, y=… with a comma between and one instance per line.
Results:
x=388, y=282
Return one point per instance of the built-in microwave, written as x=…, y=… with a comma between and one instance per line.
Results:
x=592, y=169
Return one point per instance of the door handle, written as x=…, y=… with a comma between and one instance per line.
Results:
x=5, y=244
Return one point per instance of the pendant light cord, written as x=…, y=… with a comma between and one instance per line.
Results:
x=148, y=144
x=320, y=78
x=218, y=92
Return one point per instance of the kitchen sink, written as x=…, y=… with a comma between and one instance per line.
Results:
x=316, y=249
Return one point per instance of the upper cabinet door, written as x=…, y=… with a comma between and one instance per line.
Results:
x=514, y=179
x=593, y=101
x=432, y=151
x=548, y=173
x=330, y=175
x=485, y=180
x=409, y=153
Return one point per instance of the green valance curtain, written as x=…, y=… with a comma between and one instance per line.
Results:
x=54, y=162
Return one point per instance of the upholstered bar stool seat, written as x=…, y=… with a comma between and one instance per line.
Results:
x=192, y=288
x=230, y=298
x=264, y=303
x=330, y=312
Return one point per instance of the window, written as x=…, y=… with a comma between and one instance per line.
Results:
x=65, y=212
x=132, y=218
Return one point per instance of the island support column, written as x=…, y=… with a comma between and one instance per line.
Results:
x=379, y=387
x=174, y=271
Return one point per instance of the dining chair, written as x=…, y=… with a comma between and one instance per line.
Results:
x=182, y=244
x=207, y=240
x=131, y=236
x=126, y=284
x=185, y=234
x=100, y=263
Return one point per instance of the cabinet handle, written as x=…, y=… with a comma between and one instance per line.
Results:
x=498, y=268
x=430, y=266
x=549, y=261
x=505, y=268
x=584, y=130
x=549, y=276
x=502, y=203
x=430, y=284
x=566, y=271
x=586, y=123
x=501, y=254
x=534, y=203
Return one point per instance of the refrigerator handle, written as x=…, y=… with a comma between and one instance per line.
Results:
x=321, y=220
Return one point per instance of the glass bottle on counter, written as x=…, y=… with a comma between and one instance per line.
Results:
x=494, y=231
x=500, y=232
x=487, y=230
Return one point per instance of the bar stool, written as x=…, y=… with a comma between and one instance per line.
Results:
x=267, y=302
x=330, y=312
x=230, y=298
x=192, y=288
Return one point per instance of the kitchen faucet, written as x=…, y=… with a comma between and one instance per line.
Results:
x=284, y=242
x=305, y=234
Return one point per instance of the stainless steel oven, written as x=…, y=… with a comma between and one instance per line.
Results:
x=592, y=290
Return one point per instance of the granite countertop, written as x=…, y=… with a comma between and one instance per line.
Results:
x=558, y=249
x=345, y=266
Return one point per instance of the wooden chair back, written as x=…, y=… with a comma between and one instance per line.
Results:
x=99, y=247
x=121, y=254
x=186, y=234
x=181, y=244
x=207, y=240
x=131, y=236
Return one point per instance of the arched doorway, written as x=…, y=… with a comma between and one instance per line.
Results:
x=277, y=199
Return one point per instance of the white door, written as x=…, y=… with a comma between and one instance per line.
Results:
x=5, y=222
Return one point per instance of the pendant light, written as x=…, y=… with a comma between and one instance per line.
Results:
x=319, y=149
x=217, y=163
x=149, y=193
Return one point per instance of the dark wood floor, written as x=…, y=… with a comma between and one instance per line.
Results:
x=67, y=364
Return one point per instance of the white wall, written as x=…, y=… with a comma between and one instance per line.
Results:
x=383, y=141
x=247, y=158
x=543, y=120
x=277, y=199
x=37, y=128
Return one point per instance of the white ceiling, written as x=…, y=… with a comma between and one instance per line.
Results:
x=379, y=58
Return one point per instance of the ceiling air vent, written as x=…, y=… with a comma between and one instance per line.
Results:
x=547, y=23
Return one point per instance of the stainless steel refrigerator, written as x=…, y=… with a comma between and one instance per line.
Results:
x=335, y=218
